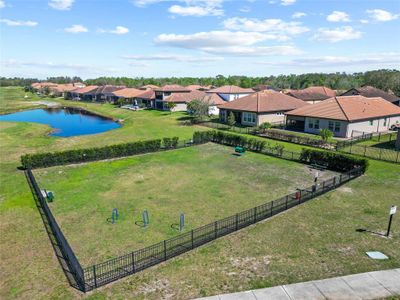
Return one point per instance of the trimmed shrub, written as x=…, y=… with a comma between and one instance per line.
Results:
x=32, y=161
x=333, y=161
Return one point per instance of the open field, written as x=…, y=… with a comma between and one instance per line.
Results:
x=205, y=182
x=315, y=240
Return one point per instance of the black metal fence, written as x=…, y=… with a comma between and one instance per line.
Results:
x=74, y=266
x=273, y=134
x=370, y=152
x=111, y=270
x=97, y=275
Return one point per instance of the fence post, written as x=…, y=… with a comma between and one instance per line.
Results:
x=216, y=229
x=191, y=233
x=380, y=153
x=94, y=276
x=286, y=202
x=165, y=249
x=255, y=214
x=397, y=158
x=272, y=205
x=237, y=221
x=133, y=262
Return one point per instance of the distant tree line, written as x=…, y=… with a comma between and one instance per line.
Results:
x=382, y=79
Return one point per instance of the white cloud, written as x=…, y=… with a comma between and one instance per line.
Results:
x=2, y=4
x=388, y=59
x=298, y=15
x=337, y=34
x=119, y=30
x=61, y=4
x=253, y=50
x=76, y=29
x=275, y=27
x=173, y=57
x=245, y=9
x=338, y=16
x=381, y=15
x=363, y=21
x=196, y=11
x=287, y=2
x=237, y=43
x=211, y=39
x=9, y=22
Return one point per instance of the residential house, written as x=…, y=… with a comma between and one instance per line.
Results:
x=40, y=87
x=149, y=87
x=194, y=87
x=262, y=87
x=104, y=93
x=231, y=92
x=255, y=109
x=146, y=99
x=61, y=90
x=370, y=91
x=129, y=94
x=344, y=114
x=214, y=101
x=87, y=93
x=167, y=90
x=313, y=94
x=181, y=99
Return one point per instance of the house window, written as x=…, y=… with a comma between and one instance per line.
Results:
x=330, y=126
x=249, y=117
x=316, y=124
x=279, y=113
x=311, y=123
x=371, y=122
x=337, y=126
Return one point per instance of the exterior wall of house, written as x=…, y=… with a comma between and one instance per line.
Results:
x=213, y=110
x=344, y=129
x=339, y=127
x=271, y=117
x=374, y=125
x=231, y=97
x=178, y=107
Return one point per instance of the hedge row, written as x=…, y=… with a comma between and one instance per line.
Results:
x=333, y=161
x=42, y=160
x=221, y=137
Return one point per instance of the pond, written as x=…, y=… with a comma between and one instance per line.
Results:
x=66, y=121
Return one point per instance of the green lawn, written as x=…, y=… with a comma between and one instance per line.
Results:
x=315, y=240
x=205, y=182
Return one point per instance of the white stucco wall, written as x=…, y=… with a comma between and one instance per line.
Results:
x=346, y=128
x=213, y=110
x=231, y=97
x=271, y=118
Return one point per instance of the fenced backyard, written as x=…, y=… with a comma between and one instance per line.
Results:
x=96, y=275
x=88, y=278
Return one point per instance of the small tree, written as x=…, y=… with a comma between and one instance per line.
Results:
x=325, y=134
x=231, y=119
x=121, y=101
x=198, y=109
x=171, y=106
x=264, y=126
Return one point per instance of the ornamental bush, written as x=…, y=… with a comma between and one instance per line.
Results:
x=42, y=160
x=333, y=161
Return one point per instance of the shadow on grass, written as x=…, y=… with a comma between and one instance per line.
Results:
x=140, y=224
x=385, y=145
x=63, y=261
x=370, y=231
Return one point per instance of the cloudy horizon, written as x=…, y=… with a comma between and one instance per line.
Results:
x=198, y=38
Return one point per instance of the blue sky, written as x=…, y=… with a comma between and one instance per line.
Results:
x=158, y=38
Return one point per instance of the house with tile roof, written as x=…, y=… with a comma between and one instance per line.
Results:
x=166, y=91
x=312, y=94
x=181, y=99
x=231, y=92
x=86, y=93
x=344, y=114
x=370, y=91
x=214, y=101
x=257, y=108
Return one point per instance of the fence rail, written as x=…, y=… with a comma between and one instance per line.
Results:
x=97, y=275
x=69, y=256
x=111, y=270
x=371, y=152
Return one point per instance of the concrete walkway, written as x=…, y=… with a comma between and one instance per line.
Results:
x=371, y=285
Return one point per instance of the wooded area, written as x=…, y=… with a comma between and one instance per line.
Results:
x=382, y=79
